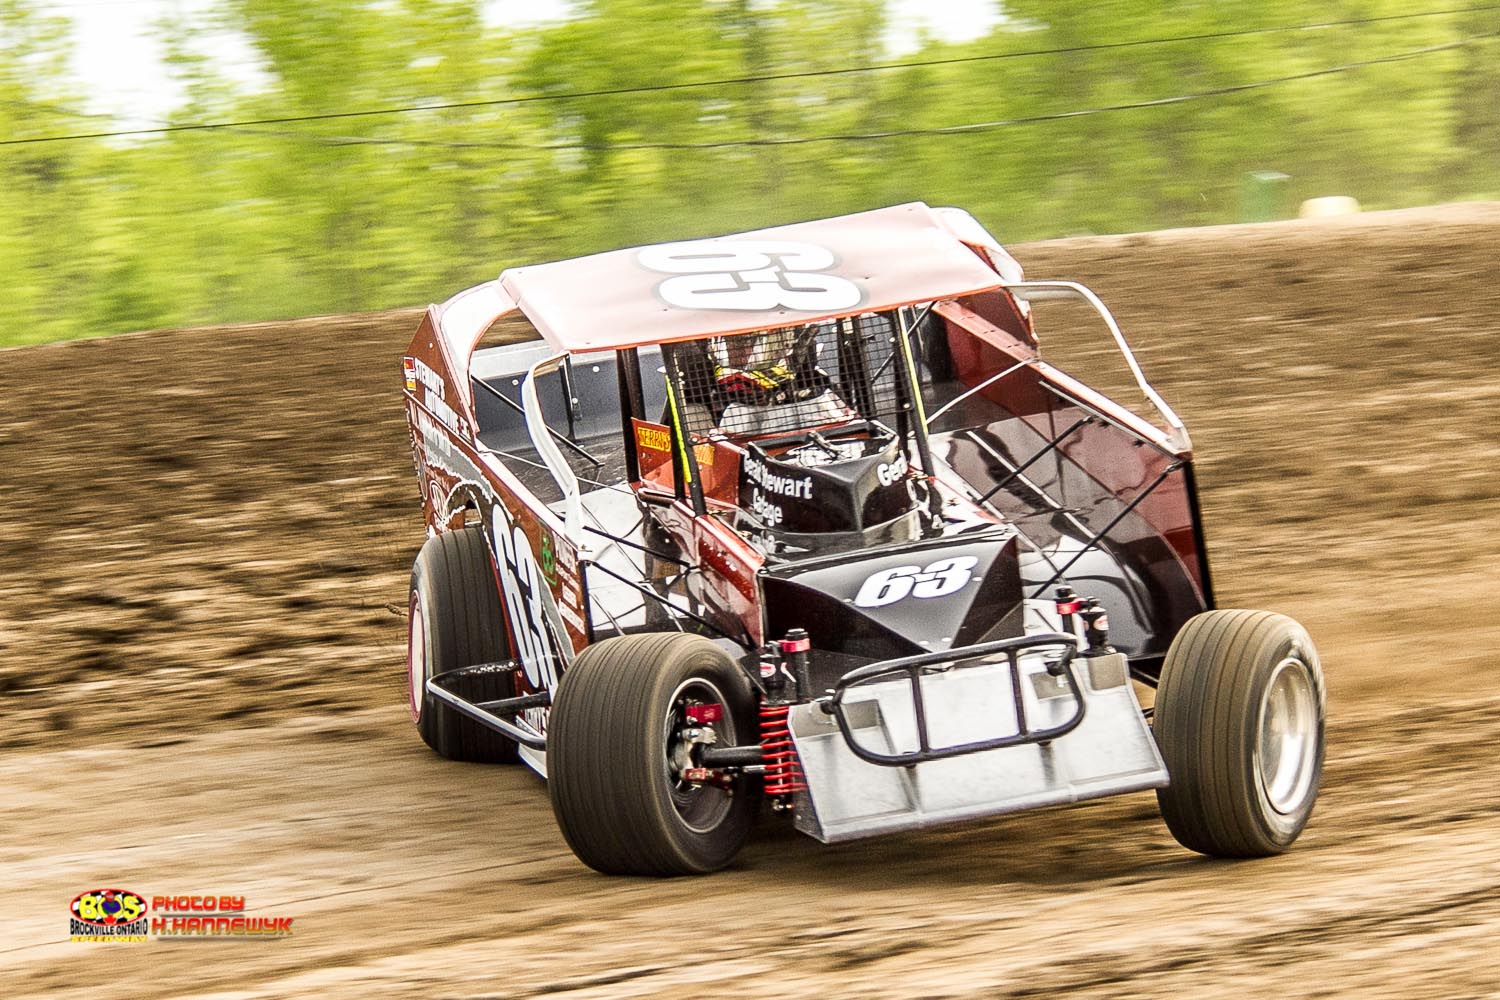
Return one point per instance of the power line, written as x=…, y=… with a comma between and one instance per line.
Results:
x=978, y=127
x=274, y=133
x=973, y=128
x=737, y=81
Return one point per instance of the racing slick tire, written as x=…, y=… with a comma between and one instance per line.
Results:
x=1239, y=719
x=614, y=745
x=455, y=621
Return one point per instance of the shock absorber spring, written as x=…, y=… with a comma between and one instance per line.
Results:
x=783, y=771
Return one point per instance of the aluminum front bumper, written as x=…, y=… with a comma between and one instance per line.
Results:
x=1109, y=752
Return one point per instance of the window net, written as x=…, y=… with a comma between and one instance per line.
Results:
x=786, y=379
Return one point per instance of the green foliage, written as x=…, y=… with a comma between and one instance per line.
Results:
x=337, y=215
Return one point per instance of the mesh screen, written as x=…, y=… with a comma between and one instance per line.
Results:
x=796, y=377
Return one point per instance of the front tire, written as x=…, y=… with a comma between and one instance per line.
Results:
x=455, y=621
x=615, y=746
x=1239, y=719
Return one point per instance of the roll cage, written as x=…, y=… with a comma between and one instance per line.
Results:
x=906, y=398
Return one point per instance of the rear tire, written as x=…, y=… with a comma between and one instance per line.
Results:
x=614, y=728
x=455, y=621
x=1239, y=720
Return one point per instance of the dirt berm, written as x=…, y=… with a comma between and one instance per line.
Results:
x=203, y=559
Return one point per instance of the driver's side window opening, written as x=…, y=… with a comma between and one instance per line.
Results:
x=580, y=403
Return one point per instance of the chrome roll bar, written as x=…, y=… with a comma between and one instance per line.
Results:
x=1042, y=290
x=552, y=456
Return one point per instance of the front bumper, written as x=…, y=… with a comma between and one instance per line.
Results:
x=967, y=733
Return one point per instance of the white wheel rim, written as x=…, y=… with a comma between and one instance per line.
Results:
x=1287, y=748
x=416, y=655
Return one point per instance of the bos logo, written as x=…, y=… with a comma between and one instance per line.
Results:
x=107, y=907
x=105, y=915
x=752, y=275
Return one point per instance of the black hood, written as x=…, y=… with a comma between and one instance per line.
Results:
x=903, y=599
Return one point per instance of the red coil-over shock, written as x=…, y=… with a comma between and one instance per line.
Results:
x=783, y=774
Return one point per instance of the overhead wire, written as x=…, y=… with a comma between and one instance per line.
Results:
x=970, y=128
x=805, y=74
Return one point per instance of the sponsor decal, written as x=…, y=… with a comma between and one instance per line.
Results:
x=890, y=472
x=437, y=447
x=447, y=415
x=434, y=442
x=658, y=439
x=548, y=558
x=418, y=371
x=770, y=514
x=117, y=915
x=771, y=482
x=653, y=438
x=897, y=583
x=572, y=617
x=107, y=915
x=567, y=565
x=433, y=398
x=754, y=275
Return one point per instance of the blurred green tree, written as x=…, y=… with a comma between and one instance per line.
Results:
x=334, y=214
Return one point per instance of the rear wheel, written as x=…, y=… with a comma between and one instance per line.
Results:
x=455, y=621
x=617, y=741
x=1239, y=720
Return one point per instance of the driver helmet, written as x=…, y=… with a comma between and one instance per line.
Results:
x=757, y=367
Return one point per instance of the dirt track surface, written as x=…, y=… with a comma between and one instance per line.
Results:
x=203, y=560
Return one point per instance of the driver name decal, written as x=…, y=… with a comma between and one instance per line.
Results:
x=752, y=275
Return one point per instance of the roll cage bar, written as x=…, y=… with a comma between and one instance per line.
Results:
x=1042, y=290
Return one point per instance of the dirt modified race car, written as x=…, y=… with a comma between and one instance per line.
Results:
x=801, y=516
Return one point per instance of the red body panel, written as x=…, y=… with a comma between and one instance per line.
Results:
x=537, y=568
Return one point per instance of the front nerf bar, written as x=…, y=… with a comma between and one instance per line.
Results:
x=914, y=667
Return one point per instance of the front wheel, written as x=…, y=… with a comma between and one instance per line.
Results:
x=1239, y=719
x=618, y=739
